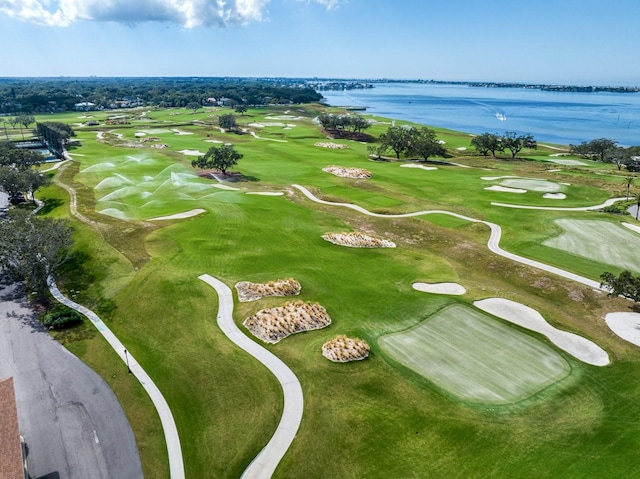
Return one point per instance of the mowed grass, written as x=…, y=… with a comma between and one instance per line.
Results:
x=476, y=358
x=369, y=419
x=602, y=241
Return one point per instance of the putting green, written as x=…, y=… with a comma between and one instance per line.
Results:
x=600, y=241
x=532, y=184
x=475, y=357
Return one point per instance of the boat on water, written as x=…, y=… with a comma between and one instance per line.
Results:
x=500, y=116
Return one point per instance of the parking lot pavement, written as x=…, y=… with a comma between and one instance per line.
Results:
x=72, y=423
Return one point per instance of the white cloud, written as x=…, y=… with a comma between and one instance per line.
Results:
x=186, y=13
x=329, y=4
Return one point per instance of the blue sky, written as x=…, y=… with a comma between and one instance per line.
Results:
x=543, y=41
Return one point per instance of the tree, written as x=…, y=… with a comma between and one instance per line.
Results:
x=618, y=156
x=194, y=106
x=595, y=149
x=25, y=119
x=626, y=285
x=228, y=122
x=628, y=182
x=514, y=142
x=396, y=138
x=18, y=158
x=487, y=142
x=424, y=143
x=219, y=157
x=637, y=205
x=240, y=108
x=16, y=182
x=32, y=248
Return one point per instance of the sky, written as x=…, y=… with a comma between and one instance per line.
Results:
x=577, y=42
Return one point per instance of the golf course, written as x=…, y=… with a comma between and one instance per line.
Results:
x=481, y=363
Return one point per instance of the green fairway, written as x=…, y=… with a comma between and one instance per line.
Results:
x=503, y=406
x=475, y=357
x=602, y=241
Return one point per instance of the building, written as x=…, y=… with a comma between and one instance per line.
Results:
x=12, y=460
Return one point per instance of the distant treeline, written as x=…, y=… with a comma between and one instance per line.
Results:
x=39, y=95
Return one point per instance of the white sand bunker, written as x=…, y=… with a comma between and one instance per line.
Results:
x=342, y=349
x=568, y=162
x=328, y=144
x=266, y=193
x=625, y=325
x=248, y=291
x=440, y=288
x=191, y=152
x=225, y=187
x=180, y=132
x=635, y=228
x=505, y=189
x=357, y=240
x=581, y=348
x=273, y=324
x=554, y=196
x=178, y=216
x=422, y=167
x=348, y=172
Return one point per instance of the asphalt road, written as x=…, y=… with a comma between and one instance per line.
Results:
x=72, y=423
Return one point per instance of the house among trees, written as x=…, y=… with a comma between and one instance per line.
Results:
x=85, y=106
x=12, y=460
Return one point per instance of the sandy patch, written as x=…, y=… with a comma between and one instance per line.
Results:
x=328, y=144
x=625, y=325
x=225, y=187
x=283, y=117
x=191, y=152
x=273, y=324
x=581, y=348
x=342, y=349
x=494, y=178
x=180, y=132
x=505, y=189
x=248, y=291
x=422, y=167
x=461, y=148
x=440, y=288
x=554, y=170
x=554, y=196
x=635, y=228
x=266, y=193
x=178, y=216
x=214, y=141
x=348, y=172
x=569, y=162
x=357, y=240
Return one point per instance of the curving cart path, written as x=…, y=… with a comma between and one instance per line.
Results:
x=494, y=238
x=176, y=466
x=609, y=202
x=265, y=463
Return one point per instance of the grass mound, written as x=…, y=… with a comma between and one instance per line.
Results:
x=342, y=349
x=248, y=291
x=357, y=240
x=273, y=324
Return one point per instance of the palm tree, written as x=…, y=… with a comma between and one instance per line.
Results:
x=628, y=181
x=637, y=205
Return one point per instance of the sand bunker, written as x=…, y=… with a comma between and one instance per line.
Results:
x=225, y=187
x=348, y=172
x=625, y=325
x=180, y=132
x=333, y=146
x=505, y=189
x=569, y=162
x=191, y=152
x=357, y=240
x=177, y=216
x=439, y=288
x=422, y=167
x=532, y=184
x=494, y=178
x=554, y=196
x=581, y=348
x=273, y=324
x=248, y=291
x=266, y=193
x=342, y=349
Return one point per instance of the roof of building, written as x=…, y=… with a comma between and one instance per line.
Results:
x=11, y=465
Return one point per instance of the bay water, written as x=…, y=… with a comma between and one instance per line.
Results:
x=559, y=117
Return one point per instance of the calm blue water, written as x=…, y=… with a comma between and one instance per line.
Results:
x=554, y=117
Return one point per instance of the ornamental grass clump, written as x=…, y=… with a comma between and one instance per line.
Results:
x=273, y=324
x=248, y=291
x=342, y=349
x=358, y=240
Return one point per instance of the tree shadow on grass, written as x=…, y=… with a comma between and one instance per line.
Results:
x=50, y=204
